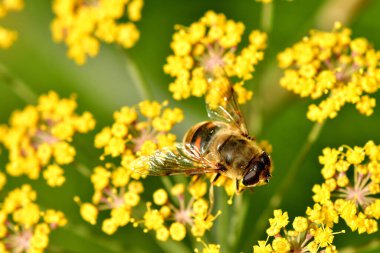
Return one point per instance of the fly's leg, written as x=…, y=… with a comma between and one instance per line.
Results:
x=195, y=179
x=211, y=192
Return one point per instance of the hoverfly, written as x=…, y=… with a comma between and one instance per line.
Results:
x=221, y=145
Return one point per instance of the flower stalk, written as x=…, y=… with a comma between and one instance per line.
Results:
x=137, y=79
x=17, y=86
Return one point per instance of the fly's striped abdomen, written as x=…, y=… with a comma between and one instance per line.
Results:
x=201, y=136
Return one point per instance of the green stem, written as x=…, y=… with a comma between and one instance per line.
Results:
x=145, y=93
x=137, y=79
x=83, y=232
x=255, y=118
x=277, y=198
x=219, y=231
x=267, y=17
x=167, y=183
x=172, y=246
x=239, y=211
x=57, y=249
x=17, y=86
x=83, y=169
x=368, y=247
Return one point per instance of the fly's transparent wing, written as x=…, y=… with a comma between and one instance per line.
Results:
x=230, y=113
x=171, y=161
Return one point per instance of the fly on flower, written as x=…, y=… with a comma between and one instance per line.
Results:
x=221, y=145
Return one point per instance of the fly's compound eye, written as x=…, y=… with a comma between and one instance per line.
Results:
x=252, y=177
x=264, y=158
x=258, y=171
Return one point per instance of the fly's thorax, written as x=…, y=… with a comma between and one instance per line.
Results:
x=236, y=152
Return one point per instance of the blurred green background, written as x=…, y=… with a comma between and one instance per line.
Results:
x=103, y=85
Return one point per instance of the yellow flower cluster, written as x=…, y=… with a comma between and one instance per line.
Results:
x=38, y=137
x=333, y=66
x=23, y=226
x=205, y=61
x=305, y=236
x=350, y=190
x=173, y=218
x=7, y=37
x=116, y=190
x=82, y=24
x=351, y=187
x=130, y=137
x=136, y=131
x=208, y=248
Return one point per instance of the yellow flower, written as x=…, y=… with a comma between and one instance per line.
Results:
x=131, y=199
x=334, y=66
x=89, y=213
x=280, y=245
x=153, y=219
x=23, y=226
x=150, y=109
x=177, y=231
x=100, y=178
x=56, y=218
x=82, y=26
x=109, y=226
x=54, y=175
x=160, y=197
x=262, y=247
x=205, y=59
x=39, y=137
x=323, y=236
x=325, y=214
x=162, y=234
x=27, y=215
x=121, y=215
x=355, y=155
x=300, y=224
x=198, y=188
x=322, y=193
x=178, y=189
x=208, y=248
x=7, y=37
x=280, y=219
